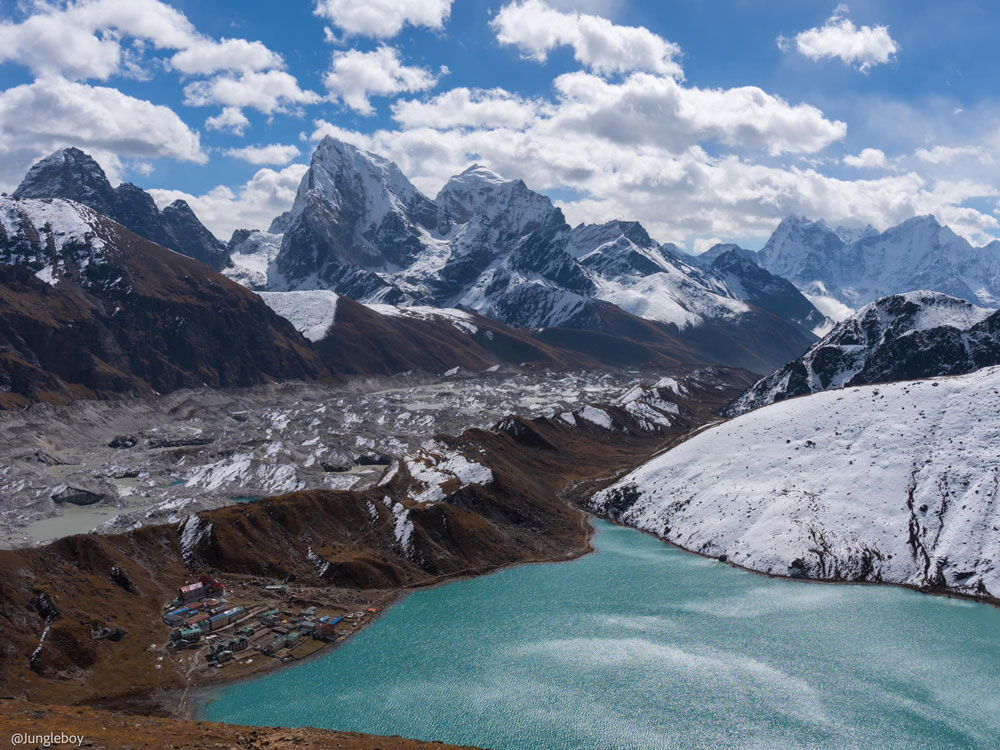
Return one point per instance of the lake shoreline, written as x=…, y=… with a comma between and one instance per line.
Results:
x=635, y=614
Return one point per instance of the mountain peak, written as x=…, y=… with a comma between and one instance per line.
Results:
x=68, y=173
x=477, y=173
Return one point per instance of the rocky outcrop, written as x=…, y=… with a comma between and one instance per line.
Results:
x=902, y=337
x=73, y=175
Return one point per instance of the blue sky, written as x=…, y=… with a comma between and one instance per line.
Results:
x=704, y=119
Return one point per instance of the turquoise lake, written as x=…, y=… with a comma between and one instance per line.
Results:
x=640, y=645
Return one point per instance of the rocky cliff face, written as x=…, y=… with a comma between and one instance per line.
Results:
x=73, y=175
x=747, y=281
x=902, y=337
x=88, y=308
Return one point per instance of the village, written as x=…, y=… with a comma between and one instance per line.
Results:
x=235, y=623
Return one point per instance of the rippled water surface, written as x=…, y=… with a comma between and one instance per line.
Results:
x=640, y=645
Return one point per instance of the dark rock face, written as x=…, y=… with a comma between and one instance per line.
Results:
x=73, y=175
x=753, y=284
x=70, y=174
x=902, y=337
x=88, y=308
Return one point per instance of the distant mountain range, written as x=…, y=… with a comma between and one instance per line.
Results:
x=856, y=267
x=900, y=337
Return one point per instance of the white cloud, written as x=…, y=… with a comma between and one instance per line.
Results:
x=869, y=158
x=251, y=206
x=206, y=56
x=269, y=91
x=231, y=119
x=275, y=153
x=37, y=118
x=536, y=29
x=648, y=109
x=383, y=18
x=83, y=40
x=862, y=46
x=949, y=154
x=464, y=107
x=355, y=76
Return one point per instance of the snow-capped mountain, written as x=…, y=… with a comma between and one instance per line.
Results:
x=73, y=175
x=89, y=308
x=902, y=337
x=360, y=228
x=894, y=483
x=859, y=266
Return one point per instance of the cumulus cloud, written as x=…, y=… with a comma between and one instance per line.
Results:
x=383, y=18
x=839, y=38
x=268, y=91
x=207, y=56
x=648, y=109
x=681, y=196
x=868, y=158
x=949, y=154
x=83, y=40
x=356, y=76
x=536, y=29
x=37, y=118
x=251, y=206
x=230, y=119
x=274, y=153
x=464, y=107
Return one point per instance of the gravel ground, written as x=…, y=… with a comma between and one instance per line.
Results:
x=114, y=465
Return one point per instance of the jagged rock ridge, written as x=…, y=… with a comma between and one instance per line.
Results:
x=902, y=337
x=73, y=175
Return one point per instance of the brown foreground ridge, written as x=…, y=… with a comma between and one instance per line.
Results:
x=103, y=729
x=84, y=618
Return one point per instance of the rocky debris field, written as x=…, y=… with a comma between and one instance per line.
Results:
x=116, y=465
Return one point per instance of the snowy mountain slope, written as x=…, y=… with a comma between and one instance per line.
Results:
x=902, y=337
x=894, y=483
x=490, y=245
x=861, y=266
x=646, y=279
x=54, y=238
x=312, y=312
x=71, y=174
x=251, y=258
